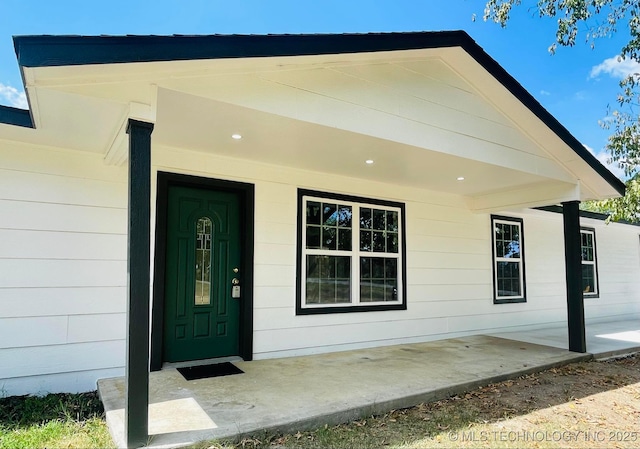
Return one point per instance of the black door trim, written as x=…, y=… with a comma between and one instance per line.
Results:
x=246, y=194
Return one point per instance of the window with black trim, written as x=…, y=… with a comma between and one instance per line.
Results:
x=590, y=286
x=508, y=259
x=351, y=254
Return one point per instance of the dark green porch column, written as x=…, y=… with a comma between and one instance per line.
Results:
x=573, y=268
x=136, y=419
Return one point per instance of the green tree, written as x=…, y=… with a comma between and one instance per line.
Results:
x=596, y=19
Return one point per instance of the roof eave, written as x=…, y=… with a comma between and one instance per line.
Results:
x=516, y=89
x=15, y=116
x=51, y=51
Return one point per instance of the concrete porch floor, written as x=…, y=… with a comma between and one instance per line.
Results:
x=603, y=339
x=299, y=393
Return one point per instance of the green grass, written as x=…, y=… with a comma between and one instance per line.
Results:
x=53, y=421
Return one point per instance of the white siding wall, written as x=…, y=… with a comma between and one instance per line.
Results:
x=618, y=259
x=448, y=258
x=62, y=269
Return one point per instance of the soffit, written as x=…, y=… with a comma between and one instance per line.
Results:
x=275, y=139
x=413, y=109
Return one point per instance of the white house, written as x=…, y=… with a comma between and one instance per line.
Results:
x=309, y=193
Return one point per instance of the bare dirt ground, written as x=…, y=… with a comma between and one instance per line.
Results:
x=589, y=404
x=593, y=404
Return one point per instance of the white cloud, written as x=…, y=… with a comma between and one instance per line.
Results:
x=13, y=96
x=581, y=95
x=604, y=159
x=615, y=67
x=545, y=92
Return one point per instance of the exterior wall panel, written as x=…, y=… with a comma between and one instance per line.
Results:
x=63, y=269
x=46, y=301
x=66, y=358
x=63, y=259
x=449, y=265
x=618, y=264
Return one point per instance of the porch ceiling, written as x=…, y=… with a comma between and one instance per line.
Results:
x=197, y=123
x=425, y=117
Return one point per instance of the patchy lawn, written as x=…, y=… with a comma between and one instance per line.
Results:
x=583, y=405
x=53, y=421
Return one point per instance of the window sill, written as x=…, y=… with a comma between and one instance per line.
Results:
x=509, y=301
x=349, y=309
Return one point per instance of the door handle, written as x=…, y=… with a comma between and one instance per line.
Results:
x=235, y=288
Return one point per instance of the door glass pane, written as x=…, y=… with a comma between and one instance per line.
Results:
x=203, y=261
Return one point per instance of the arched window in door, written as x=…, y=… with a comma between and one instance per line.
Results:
x=204, y=231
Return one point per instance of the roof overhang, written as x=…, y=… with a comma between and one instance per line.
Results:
x=426, y=107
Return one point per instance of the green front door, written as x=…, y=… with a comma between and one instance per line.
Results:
x=202, y=285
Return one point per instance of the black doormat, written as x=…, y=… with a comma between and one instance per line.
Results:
x=206, y=371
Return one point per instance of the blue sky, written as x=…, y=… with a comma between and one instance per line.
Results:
x=569, y=84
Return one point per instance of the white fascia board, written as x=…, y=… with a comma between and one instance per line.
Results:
x=116, y=154
x=118, y=151
x=32, y=96
x=145, y=112
x=525, y=197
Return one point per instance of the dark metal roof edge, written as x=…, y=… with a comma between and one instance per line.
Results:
x=15, y=116
x=50, y=51
x=585, y=214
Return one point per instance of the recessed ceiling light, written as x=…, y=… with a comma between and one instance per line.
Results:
x=236, y=136
x=460, y=178
x=369, y=161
